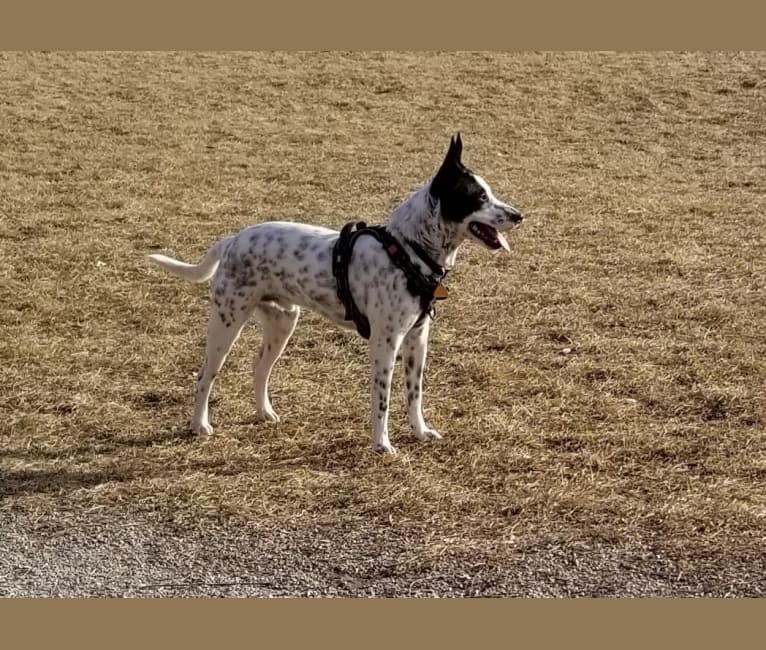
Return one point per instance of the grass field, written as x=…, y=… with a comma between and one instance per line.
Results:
x=603, y=384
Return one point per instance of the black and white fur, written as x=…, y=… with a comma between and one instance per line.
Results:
x=272, y=270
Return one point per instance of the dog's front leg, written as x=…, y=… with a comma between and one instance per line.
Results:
x=383, y=349
x=414, y=351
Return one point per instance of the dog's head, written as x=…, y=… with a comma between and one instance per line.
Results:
x=465, y=200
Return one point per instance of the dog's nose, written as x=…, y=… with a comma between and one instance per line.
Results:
x=515, y=216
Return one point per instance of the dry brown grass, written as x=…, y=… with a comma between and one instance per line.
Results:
x=644, y=253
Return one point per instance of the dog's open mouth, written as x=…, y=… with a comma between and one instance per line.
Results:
x=488, y=236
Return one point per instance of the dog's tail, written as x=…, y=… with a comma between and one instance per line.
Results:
x=194, y=272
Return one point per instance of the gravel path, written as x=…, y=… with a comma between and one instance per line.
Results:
x=45, y=557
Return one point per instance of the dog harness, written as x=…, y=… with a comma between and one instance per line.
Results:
x=428, y=288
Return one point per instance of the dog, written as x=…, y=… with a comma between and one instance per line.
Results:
x=272, y=270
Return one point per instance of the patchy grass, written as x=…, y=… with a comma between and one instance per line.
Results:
x=643, y=255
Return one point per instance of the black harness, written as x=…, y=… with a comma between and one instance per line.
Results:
x=421, y=286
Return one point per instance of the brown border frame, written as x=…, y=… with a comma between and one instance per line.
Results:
x=340, y=25
x=345, y=24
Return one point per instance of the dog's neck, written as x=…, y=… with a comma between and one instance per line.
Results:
x=417, y=220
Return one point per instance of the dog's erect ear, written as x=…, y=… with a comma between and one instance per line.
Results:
x=456, y=148
x=451, y=164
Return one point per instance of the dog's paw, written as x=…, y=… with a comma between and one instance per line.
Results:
x=427, y=434
x=201, y=428
x=266, y=415
x=385, y=448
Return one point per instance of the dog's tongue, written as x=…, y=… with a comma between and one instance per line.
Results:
x=503, y=241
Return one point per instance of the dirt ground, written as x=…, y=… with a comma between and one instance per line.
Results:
x=600, y=389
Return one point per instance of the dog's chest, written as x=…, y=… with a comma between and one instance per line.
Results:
x=380, y=288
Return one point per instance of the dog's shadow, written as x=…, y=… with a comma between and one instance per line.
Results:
x=330, y=454
x=17, y=482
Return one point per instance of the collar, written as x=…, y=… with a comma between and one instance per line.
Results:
x=437, y=269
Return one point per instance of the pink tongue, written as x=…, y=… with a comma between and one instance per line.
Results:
x=503, y=242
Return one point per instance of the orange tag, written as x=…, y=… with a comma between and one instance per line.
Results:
x=441, y=292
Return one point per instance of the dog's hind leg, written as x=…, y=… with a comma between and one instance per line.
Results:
x=414, y=348
x=223, y=330
x=278, y=325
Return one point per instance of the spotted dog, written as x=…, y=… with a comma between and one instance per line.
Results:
x=272, y=270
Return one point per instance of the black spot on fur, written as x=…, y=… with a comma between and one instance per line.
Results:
x=410, y=363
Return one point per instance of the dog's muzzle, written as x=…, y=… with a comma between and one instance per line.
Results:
x=514, y=216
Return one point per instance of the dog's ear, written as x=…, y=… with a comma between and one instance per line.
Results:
x=455, y=150
x=456, y=147
x=449, y=167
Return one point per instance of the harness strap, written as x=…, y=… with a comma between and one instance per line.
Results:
x=341, y=256
x=418, y=285
x=437, y=269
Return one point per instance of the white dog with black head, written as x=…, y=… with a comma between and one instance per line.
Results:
x=273, y=269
